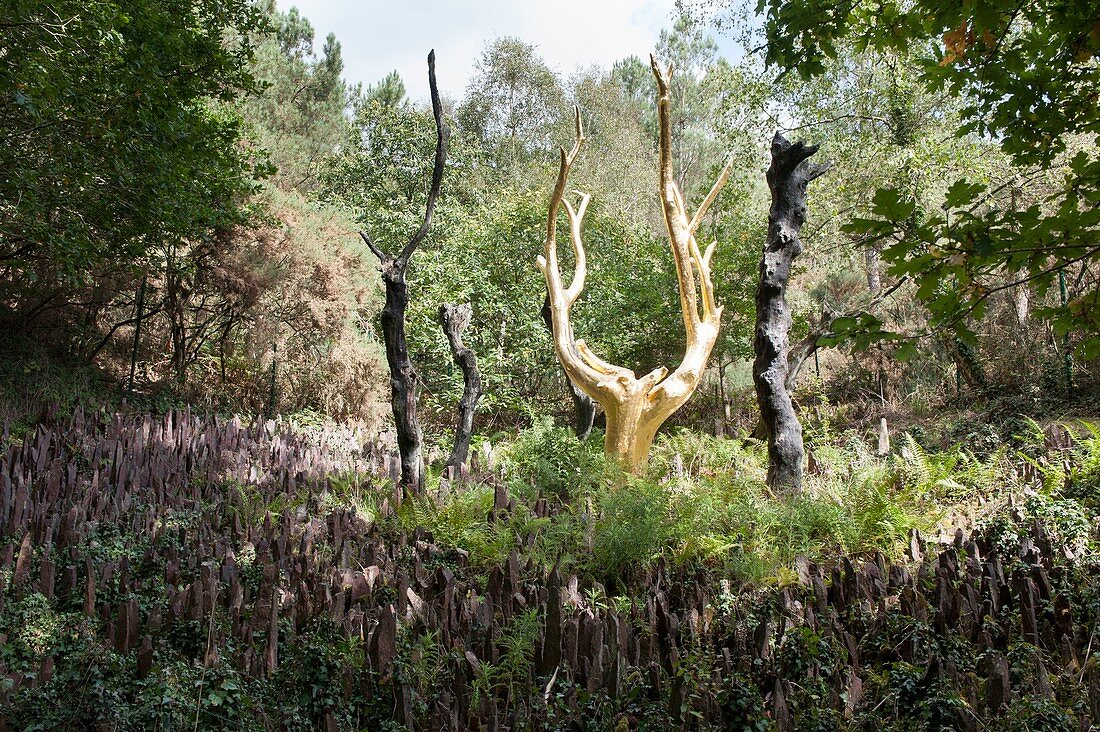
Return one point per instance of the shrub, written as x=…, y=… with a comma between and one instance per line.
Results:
x=461, y=521
x=553, y=461
x=632, y=527
x=1083, y=481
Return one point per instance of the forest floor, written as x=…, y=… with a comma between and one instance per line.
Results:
x=162, y=572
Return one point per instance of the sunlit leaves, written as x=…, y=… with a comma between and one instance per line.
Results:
x=1026, y=77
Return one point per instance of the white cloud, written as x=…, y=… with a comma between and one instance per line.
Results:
x=378, y=37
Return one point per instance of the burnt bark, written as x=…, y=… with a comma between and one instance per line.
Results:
x=789, y=174
x=403, y=378
x=584, y=408
x=797, y=358
x=454, y=320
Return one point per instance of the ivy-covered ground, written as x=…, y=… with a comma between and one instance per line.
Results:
x=183, y=572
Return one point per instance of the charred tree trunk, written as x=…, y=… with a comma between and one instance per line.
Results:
x=175, y=307
x=454, y=320
x=584, y=408
x=788, y=177
x=402, y=373
x=797, y=357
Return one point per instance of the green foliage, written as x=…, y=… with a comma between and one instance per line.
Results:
x=112, y=146
x=461, y=521
x=722, y=513
x=1083, y=480
x=705, y=501
x=632, y=527
x=1023, y=75
x=551, y=460
x=878, y=517
x=382, y=171
x=1038, y=715
x=137, y=137
x=32, y=383
x=1066, y=523
x=1026, y=71
x=946, y=476
x=702, y=455
x=511, y=104
x=511, y=674
x=299, y=117
x=389, y=92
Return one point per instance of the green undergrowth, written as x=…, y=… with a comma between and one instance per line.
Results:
x=704, y=502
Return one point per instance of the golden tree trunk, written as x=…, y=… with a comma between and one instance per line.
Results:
x=636, y=407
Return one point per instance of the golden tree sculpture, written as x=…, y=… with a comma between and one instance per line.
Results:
x=636, y=407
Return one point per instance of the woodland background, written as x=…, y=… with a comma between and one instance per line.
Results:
x=216, y=173
x=201, y=525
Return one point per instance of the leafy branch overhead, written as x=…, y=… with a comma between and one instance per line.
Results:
x=1026, y=76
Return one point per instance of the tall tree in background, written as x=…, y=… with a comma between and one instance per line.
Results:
x=512, y=104
x=389, y=92
x=137, y=192
x=116, y=129
x=299, y=118
x=693, y=55
x=403, y=379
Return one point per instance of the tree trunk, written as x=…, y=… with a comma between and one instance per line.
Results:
x=1021, y=304
x=797, y=357
x=967, y=365
x=788, y=177
x=584, y=408
x=873, y=259
x=139, y=312
x=636, y=407
x=454, y=320
x=630, y=427
x=175, y=307
x=402, y=373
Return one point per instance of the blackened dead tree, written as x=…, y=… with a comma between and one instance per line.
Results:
x=788, y=176
x=403, y=376
x=584, y=408
x=454, y=319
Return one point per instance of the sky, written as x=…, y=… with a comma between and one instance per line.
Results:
x=378, y=37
